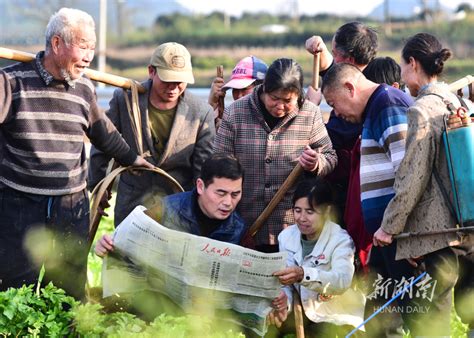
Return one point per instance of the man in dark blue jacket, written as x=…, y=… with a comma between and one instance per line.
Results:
x=357, y=44
x=207, y=210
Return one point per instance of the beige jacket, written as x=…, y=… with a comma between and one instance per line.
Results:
x=188, y=146
x=419, y=204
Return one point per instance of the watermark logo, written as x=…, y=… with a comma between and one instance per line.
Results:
x=388, y=288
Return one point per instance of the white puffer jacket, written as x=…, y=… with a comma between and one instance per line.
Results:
x=328, y=270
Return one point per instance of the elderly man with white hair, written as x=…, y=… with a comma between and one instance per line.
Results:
x=47, y=107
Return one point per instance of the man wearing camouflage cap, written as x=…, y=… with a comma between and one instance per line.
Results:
x=177, y=128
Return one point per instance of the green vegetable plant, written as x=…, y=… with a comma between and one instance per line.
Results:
x=25, y=312
x=32, y=311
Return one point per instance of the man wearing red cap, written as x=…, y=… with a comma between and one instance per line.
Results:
x=247, y=74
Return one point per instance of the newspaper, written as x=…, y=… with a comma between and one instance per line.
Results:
x=149, y=256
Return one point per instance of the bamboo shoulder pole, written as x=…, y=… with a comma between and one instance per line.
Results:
x=114, y=80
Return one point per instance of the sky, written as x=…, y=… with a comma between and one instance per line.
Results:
x=310, y=7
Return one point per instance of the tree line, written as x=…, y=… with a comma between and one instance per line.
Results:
x=253, y=30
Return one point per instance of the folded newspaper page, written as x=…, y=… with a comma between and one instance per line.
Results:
x=149, y=256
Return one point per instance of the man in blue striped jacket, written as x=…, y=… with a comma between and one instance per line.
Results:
x=47, y=107
x=382, y=110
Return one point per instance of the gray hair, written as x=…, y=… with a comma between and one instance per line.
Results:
x=285, y=74
x=64, y=23
x=338, y=74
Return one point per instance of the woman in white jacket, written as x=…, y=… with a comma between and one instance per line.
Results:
x=320, y=264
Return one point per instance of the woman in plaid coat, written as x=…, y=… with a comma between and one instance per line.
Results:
x=270, y=131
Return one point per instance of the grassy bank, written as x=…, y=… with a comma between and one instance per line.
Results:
x=132, y=62
x=206, y=60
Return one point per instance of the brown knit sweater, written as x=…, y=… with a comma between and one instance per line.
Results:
x=43, y=123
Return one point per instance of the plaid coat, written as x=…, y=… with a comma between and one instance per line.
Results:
x=269, y=155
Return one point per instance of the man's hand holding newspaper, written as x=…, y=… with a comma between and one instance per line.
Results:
x=149, y=256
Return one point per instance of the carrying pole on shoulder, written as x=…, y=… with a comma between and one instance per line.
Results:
x=114, y=80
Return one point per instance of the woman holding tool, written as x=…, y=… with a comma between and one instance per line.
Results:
x=419, y=203
x=270, y=131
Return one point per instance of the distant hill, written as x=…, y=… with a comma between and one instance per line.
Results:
x=23, y=24
x=404, y=9
x=145, y=12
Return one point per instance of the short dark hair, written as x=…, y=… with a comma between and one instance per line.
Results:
x=428, y=51
x=337, y=74
x=383, y=70
x=285, y=74
x=317, y=190
x=356, y=40
x=221, y=166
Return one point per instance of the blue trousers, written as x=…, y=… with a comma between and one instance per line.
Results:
x=49, y=230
